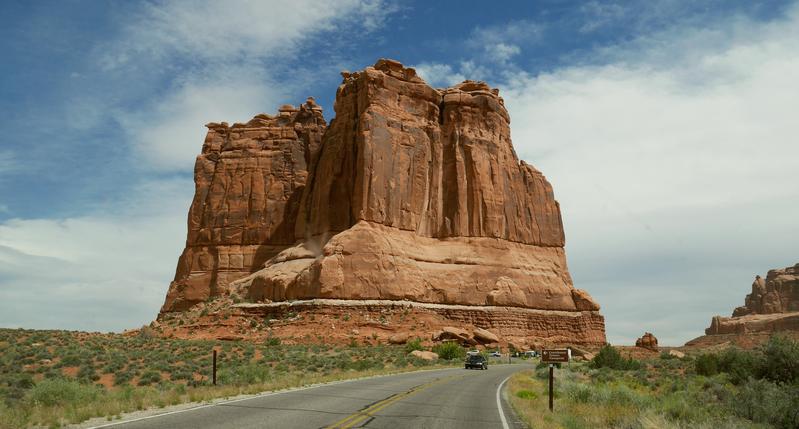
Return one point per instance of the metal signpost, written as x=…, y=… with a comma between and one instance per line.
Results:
x=553, y=356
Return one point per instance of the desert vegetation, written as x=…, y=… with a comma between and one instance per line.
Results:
x=51, y=378
x=731, y=388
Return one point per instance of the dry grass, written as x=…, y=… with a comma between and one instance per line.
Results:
x=617, y=399
x=35, y=391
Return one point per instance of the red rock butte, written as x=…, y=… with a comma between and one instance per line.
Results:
x=412, y=196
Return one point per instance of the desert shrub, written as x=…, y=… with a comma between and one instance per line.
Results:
x=59, y=391
x=667, y=356
x=739, y=364
x=70, y=360
x=609, y=357
x=243, y=375
x=273, y=341
x=707, y=364
x=526, y=394
x=780, y=362
x=149, y=377
x=765, y=402
x=86, y=374
x=449, y=350
x=414, y=344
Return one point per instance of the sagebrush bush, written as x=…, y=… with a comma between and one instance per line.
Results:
x=766, y=402
x=449, y=350
x=707, y=364
x=609, y=357
x=780, y=361
x=63, y=392
x=414, y=344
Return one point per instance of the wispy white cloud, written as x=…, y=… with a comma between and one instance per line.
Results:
x=674, y=162
x=597, y=15
x=223, y=58
x=500, y=43
x=439, y=75
x=104, y=271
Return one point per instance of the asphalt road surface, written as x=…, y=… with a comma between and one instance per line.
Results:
x=439, y=399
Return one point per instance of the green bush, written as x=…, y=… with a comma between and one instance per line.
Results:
x=526, y=394
x=707, y=364
x=780, y=362
x=59, y=391
x=149, y=377
x=765, y=402
x=414, y=344
x=739, y=364
x=243, y=375
x=609, y=357
x=449, y=350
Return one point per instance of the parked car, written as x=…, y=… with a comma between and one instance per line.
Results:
x=496, y=354
x=530, y=354
x=472, y=352
x=476, y=361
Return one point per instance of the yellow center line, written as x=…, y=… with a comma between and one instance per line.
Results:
x=360, y=416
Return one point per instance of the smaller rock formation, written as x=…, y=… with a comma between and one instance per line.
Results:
x=648, y=341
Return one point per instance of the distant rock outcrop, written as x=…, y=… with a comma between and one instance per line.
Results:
x=411, y=194
x=647, y=341
x=773, y=305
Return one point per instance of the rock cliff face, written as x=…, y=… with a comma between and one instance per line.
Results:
x=249, y=179
x=773, y=305
x=412, y=193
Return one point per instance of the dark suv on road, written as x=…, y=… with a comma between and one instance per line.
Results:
x=476, y=361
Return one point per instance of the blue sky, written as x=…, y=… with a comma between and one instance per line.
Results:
x=667, y=129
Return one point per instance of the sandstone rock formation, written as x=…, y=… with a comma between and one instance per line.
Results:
x=249, y=179
x=647, y=341
x=412, y=193
x=773, y=305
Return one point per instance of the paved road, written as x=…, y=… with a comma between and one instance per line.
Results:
x=440, y=399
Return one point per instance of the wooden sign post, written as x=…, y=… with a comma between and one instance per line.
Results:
x=553, y=356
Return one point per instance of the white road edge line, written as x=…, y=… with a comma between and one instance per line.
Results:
x=260, y=395
x=499, y=405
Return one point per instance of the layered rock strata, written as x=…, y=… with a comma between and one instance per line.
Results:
x=249, y=180
x=773, y=305
x=415, y=194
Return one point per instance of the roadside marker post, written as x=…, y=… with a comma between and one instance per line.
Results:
x=214, y=370
x=551, y=385
x=553, y=356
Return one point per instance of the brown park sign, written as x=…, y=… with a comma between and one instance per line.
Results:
x=554, y=355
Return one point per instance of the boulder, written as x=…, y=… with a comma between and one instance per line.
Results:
x=485, y=337
x=424, y=354
x=399, y=338
x=676, y=353
x=457, y=334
